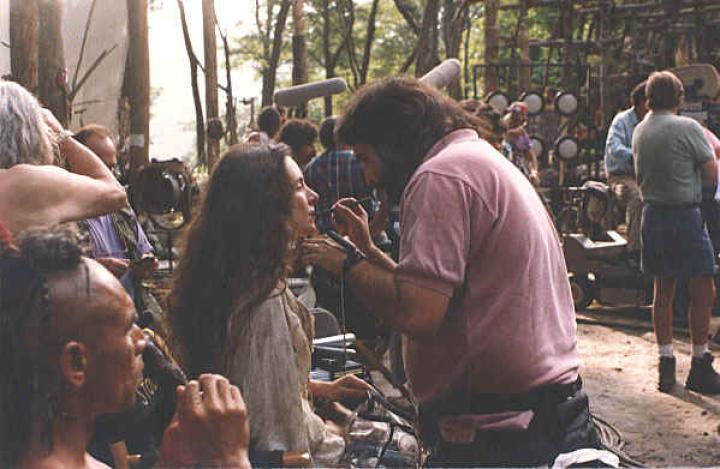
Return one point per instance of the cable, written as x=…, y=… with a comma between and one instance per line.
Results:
x=386, y=445
x=613, y=441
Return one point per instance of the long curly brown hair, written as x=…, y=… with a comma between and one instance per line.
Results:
x=234, y=254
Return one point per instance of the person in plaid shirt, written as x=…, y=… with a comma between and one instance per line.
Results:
x=334, y=175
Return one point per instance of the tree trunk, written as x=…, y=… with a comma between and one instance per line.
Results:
x=211, y=90
x=24, y=43
x=136, y=84
x=369, y=39
x=299, y=49
x=52, y=75
x=408, y=12
x=454, y=21
x=426, y=51
x=230, y=110
x=269, y=72
x=492, y=46
x=194, y=64
x=327, y=55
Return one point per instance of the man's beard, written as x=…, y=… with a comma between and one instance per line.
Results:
x=394, y=178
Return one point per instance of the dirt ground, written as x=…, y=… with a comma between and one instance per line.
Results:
x=619, y=369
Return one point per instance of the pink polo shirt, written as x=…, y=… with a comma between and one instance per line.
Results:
x=713, y=141
x=474, y=229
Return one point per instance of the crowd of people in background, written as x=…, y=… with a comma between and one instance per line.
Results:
x=78, y=323
x=663, y=164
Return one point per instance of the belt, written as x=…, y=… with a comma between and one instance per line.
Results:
x=464, y=403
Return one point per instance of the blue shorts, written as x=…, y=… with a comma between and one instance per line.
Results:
x=675, y=243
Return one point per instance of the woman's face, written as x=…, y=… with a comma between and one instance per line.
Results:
x=302, y=217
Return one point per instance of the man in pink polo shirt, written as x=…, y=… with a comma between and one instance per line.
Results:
x=480, y=294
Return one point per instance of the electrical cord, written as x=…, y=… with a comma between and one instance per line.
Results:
x=613, y=441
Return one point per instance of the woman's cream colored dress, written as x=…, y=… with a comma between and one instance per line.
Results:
x=271, y=365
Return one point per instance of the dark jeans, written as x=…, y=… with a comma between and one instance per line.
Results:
x=557, y=428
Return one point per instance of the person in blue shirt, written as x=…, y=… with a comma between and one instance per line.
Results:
x=619, y=163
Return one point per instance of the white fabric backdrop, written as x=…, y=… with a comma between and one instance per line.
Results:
x=108, y=27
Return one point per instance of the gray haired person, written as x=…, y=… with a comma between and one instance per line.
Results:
x=34, y=192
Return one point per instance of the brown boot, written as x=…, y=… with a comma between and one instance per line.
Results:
x=703, y=378
x=667, y=374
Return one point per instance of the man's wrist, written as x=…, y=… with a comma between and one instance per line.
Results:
x=63, y=137
x=373, y=253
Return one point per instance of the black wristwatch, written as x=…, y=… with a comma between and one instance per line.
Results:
x=354, y=257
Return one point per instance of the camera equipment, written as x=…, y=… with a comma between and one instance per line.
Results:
x=300, y=94
x=566, y=103
x=442, y=75
x=567, y=148
x=499, y=100
x=534, y=102
x=165, y=192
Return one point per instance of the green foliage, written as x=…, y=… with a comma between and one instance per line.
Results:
x=393, y=45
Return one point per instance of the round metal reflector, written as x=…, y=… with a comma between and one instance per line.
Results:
x=534, y=102
x=566, y=103
x=567, y=148
x=537, y=145
x=499, y=100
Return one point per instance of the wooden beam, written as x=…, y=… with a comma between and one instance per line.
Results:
x=136, y=85
x=492, y=46
x=52, y=74
x=211, y=90
x=24, y=43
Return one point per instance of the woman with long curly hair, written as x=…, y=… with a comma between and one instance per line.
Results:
x=230, y=310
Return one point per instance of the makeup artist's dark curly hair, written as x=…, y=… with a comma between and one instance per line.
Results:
x=29, y=384
x=234, y=254
x=402, y=119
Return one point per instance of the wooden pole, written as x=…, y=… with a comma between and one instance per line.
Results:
x=492, y=47
x=24, y=43
x=274, y=48
x=211, y=93
x=426, y=49
x=568, y=50
x=525, y=76
x=52, y=75
x=299, y=50
x=194, y=65
x=136, y=84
